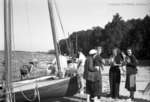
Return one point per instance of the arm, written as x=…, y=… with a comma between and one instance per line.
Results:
x=91, y=65
x=133, y=62
x=99, y=62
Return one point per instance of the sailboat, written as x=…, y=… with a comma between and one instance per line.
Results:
x=39, y=88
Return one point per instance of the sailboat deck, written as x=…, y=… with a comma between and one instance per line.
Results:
x=32, y=84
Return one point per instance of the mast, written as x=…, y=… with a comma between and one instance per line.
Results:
x=53, y=27
x=7, y=34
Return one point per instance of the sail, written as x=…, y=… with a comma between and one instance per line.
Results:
x=31, y=26
x=42, y=87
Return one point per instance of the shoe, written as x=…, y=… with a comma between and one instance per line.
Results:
x=129, y=100
x=87, y=98
x=91, y=100
x=96, y=100
x=81, y=92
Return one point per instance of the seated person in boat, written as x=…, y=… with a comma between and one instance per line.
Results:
x=72, y=68
x=26, y=69
x=63, y=65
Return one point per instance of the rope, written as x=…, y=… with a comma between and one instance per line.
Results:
x=28, y=99
x=28, y=20
x=36, y=95
x=14, y=97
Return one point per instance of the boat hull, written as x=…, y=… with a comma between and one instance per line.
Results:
x=59, y=88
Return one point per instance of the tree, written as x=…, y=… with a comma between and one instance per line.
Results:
x=115, y=32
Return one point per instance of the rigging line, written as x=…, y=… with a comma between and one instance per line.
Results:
x=28, y=22
x=58, y=14
x=60, y=21
x=13, y=36
x=63, y=30
x=60, y=24
x=30, y=99
x=36, y=94
x=29, y=25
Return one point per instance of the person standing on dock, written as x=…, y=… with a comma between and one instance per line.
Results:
x=131, y=68
x=92, y=77
x=80, y=66
x=99, y=63
x=114, y=72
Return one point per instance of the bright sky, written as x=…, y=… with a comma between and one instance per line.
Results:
x=32, y=30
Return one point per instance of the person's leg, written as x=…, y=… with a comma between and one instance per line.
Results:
x=100, y=87
x=118, y=77
x=80, y=72
x=87, y=91
x=114, y=85
x=111, y=82
x=91, y=98
x=96, y=99
x=132, y=85
x=87, y=98
x=117, y=90
x=97, y=91
x=82, y=85
x=132, y=95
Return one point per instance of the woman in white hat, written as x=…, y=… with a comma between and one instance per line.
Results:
x=91, y=76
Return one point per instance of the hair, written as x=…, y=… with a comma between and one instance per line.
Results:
x=99, y=46
x=129, y=48
x=80, y=49
x=118, y=50
x=31, y=63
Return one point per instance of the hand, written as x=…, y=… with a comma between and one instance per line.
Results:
x=115, y=64
x=97, y=67
x=128, y=60
x=103, y=61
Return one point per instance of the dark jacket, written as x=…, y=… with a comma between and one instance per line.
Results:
x=90, y=72
x=117, y=60
x=132, y=65
x=98, y=61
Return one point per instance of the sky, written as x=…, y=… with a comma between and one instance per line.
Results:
x=31, y=21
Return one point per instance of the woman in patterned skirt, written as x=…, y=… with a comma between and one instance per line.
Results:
x=131, y=64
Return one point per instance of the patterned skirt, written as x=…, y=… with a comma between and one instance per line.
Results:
x=94, y=88
x=130, y=82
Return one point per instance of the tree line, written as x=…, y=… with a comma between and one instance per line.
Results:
x=134, y=33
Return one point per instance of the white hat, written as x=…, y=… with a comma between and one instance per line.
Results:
x=34, y=60
x=93, y=51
